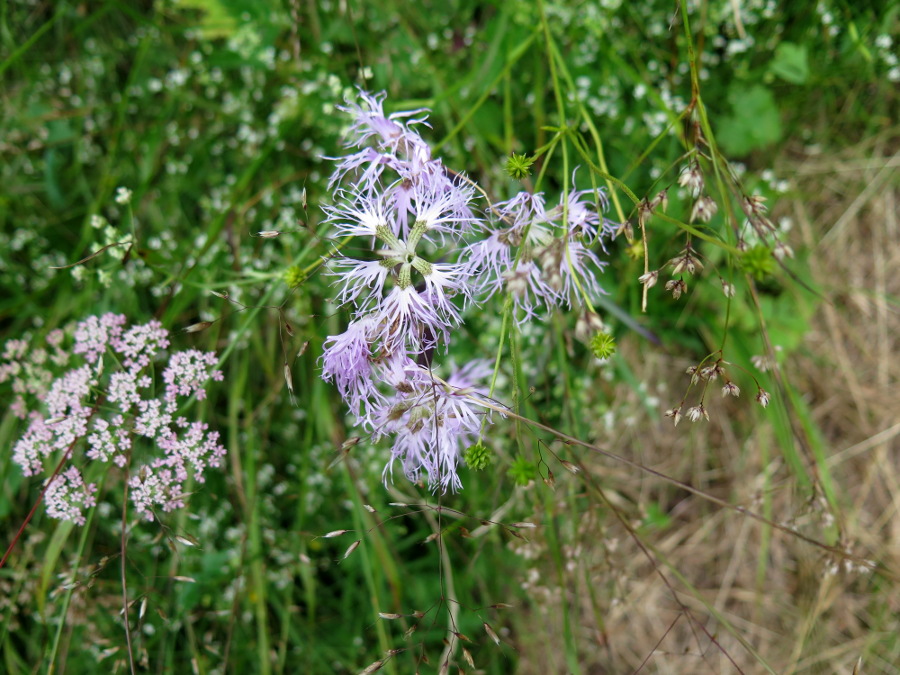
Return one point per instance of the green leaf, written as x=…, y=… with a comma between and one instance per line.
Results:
x=216, y=22
x=754, y=122
x=791, y=63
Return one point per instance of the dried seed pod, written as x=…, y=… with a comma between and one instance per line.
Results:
x=197, y=327
x=351, y=548
x=335, y=533
x=491, y=633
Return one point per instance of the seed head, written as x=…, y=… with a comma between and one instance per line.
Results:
x=731, y=389
x=661, y=200
x=697, y=412
x=704, y=209
x=677, y=287
x=782, y=251
x=675, y=414
x=649, y=279
x=692, y=178
x=755, y=205
x=694, y=372
x=685, y=262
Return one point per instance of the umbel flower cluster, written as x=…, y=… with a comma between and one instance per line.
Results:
x=106, y=406
x=429, y=254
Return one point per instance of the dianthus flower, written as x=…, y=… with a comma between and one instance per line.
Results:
x=428, y=256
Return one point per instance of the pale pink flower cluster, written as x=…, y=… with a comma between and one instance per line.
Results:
x=106, y=409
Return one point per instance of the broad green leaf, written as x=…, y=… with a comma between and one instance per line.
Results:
x=791, y=63
x=754, y=122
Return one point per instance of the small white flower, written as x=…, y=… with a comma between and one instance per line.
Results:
x=731, y=389
x=697, y=412
x=123, y=195
x=675, y=414
x=763, y=398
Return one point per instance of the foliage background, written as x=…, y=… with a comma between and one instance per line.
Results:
x=218, y=113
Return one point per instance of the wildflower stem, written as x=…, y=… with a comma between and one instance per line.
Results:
x=511, y=60
x=592, y=128
x=40, y=497
x=571, y=440
x=504, y=327
x=123, y=567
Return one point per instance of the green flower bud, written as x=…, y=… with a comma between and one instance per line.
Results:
x=519, y=166
x=294, y=276
x=478, y=456
x=603, y=345
x=758, y=262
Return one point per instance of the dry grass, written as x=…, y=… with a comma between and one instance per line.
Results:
x=780, y=597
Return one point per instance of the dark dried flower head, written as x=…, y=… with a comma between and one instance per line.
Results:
x=661, y=200
x=645, y=210
x=675, y=414
x=755, y=205
x=712, y=372
x=685, y=261
x=649, y=279
x=697, y=412
x=731, y=389
x=676, y=287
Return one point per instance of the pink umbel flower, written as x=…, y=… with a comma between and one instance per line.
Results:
x=187, y=374
x=67, y=496
x=140, y=344
x=90, y=414
x=93, y=335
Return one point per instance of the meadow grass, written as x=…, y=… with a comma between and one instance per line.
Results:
x=600, y=538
